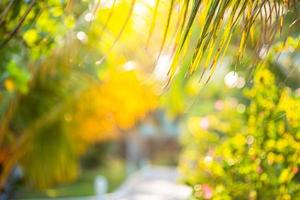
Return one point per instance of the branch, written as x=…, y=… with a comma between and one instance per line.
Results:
x=4, y=13
x=14, y=32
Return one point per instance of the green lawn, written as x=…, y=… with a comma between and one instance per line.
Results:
x=114, y=171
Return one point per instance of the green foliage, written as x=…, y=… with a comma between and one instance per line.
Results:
x=19, y=76
x=29, y=30
x=113, y=169
x=52, y=157
x=50, y=151
x=247, y=155
x=48, y=74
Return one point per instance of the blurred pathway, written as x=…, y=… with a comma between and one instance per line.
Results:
x=151, y=183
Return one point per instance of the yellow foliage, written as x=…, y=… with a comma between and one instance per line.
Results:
x=291, y=106
x=30, y=36
x=117, y=103
x=9, y=85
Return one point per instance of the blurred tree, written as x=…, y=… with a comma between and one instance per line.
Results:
x=63, y=111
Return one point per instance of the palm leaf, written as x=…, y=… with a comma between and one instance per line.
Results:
x=184, y=35
x=153, y=22
x=216, y=30
x=122, y=29
x=166, y=30
x=110, y=14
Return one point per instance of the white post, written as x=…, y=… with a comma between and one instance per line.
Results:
x=100, y=187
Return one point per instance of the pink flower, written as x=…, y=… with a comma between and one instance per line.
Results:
x=259, y=169
x=219, y=105
x=207, y=191
x=204, y=123
x=295, y=170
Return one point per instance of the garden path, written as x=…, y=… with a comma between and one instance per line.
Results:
x=150, y=183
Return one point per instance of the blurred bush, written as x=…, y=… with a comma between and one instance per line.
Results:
x=65, y=110
x=55, y=100
x=251, y=152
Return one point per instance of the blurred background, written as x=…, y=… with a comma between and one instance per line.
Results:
x=92, y=107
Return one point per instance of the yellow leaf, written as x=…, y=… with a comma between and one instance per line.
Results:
x=9, y=85
x=30, y=37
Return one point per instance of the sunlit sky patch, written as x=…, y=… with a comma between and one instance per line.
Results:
x=231, y=79
x=81, y=36
x=108, y=3
x=130, y=65
x=162, y=67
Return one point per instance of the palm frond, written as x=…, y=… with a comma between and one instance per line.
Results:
x=167, y=26
x=107, y=19
x=153, y=22
x=184, y=35
x=122, y=29
x=216, y=20
x=219, y=20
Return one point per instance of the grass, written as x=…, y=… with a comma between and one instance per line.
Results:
x=114, y=171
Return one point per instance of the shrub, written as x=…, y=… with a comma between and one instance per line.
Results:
x=246, y=155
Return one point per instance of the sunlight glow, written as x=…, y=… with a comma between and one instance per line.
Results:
x=81, y=36
x=141, y=12
x=162, y=67
x=130, y=65
x=150, y=3
x=89, y=17
x=241, y=108
x=231, y=79
x=107, y=3
x=140, y=9
x=208, y=159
